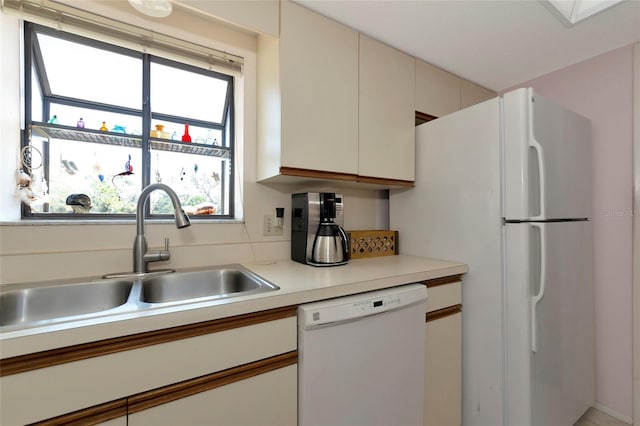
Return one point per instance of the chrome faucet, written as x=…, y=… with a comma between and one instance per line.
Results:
x=142, y=257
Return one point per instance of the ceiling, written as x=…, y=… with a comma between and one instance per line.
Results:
x=497, y=44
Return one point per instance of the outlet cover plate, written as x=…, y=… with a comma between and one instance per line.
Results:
x=269, y=228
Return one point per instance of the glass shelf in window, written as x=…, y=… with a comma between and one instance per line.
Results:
x=56, y=131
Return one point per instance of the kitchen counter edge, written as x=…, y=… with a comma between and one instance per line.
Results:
x=298, y=284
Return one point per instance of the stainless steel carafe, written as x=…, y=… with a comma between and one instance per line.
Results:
x=330, y=247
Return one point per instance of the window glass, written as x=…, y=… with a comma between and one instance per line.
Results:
x=196, y=178
x=89, y=131
x=84, y=72
x=92, y=119
x=184, y=93
x=108, y=175
x=174, y=131
x=36, y=98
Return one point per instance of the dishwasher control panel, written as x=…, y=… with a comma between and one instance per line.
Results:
x=360, y=305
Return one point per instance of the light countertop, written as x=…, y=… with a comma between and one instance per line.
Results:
x=298, y=284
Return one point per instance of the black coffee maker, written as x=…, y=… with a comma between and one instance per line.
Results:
x=317, y=237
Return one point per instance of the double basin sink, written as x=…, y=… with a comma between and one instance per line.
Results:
x=43, y=305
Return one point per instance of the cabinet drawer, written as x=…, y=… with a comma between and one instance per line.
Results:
x=266, y=399
x=443, y=296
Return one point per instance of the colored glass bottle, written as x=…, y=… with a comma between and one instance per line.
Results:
x=104, y=127
x=80, y=124
x=186, y=137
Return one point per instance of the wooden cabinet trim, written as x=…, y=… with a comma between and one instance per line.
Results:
x=387, y=182
x=89, y=416
x=442, y=281
x=443, y=313
x=424, y=117
x=166, y=394
x=49, y=358
x=317, y=174
x=345, y=177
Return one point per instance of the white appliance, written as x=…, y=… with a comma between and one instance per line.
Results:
x=505, y=186
x=361, y=359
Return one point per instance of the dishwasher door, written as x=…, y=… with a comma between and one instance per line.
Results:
x=361, y=359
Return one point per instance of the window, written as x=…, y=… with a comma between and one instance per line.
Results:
x=103, y=122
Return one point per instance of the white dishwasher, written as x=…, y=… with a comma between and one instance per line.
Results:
x=361, y=359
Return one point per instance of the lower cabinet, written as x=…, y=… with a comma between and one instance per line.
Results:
x=266, y=399
x=216, y=372
x=443, y=356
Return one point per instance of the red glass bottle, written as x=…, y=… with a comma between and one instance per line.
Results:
x=186, y=137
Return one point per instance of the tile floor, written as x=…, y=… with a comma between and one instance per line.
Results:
x=594, y=417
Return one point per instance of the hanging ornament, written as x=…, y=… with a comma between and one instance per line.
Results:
x=128, y=167
x=28, y=191
x=97, y=169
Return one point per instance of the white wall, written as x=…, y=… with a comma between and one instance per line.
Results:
x=9, y=116
x=636, y=235
x=32, y=252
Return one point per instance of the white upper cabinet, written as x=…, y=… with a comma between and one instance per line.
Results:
x=319, y=86
x=437, y=91
x=472, y=94
x=387, y=110
x=308, y=96
x=255, y=15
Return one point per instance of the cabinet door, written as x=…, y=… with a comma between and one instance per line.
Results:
x=267, y=399
x=472, y=94
x=319, y=92
x=437, y=91
x=386, y=112
x=443, y=372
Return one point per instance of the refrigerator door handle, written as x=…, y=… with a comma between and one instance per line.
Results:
x=543, y=278
x=533, y=143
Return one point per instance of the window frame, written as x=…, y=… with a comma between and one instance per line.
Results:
x=33, y=60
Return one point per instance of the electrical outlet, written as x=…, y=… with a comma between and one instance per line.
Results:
x=269, y=226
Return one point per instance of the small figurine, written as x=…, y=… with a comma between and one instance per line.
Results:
x=186, y=137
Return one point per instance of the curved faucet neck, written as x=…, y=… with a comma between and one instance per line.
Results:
x=144, y=197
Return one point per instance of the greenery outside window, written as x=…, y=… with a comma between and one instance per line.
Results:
x=103, y=122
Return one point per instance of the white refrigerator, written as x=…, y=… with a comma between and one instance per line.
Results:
x=505, y=186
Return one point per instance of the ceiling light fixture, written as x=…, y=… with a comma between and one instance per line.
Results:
x=570, y=12
x=154, y=8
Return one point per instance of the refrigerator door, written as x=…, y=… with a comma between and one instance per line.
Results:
x=549, y=322
x=547, y=159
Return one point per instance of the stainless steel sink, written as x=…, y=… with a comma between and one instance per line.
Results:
x=221, y=282
x=25, y=306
